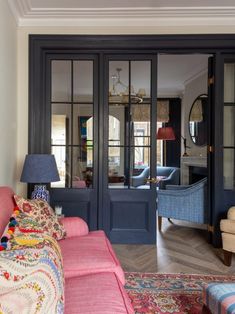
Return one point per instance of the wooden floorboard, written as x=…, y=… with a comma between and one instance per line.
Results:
x=181, y=248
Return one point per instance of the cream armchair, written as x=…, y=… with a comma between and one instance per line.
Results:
x=227, y=226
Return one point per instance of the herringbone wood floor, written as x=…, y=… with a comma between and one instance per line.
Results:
x=180, y=248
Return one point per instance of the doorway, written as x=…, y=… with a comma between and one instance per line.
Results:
x=100, y=146
x=43, y=47
x=183, y=80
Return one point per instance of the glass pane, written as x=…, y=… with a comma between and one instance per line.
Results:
x=229, y=175
x=140, y=113
x=83, y=81
x=82, y=167
x=159, y=148
x=229, y=82
x=118, y=82
x=82, y=124
x=140, y=160
x=62, y=156
x=140, y=118
x=141, y=157
x=61, y=81
x=116, y=166
x=140, y=81
x=116, y=125
x=229, y=125
x=60, y=124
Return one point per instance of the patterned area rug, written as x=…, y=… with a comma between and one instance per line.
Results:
x=168, y=293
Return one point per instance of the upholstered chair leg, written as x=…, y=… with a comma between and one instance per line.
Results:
x=159, y=223
x=227, y=258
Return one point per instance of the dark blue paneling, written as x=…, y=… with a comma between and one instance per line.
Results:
x=129, y=215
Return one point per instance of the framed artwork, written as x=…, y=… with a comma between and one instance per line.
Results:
x=82, y=122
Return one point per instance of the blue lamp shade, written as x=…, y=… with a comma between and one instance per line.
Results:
x=40, y=169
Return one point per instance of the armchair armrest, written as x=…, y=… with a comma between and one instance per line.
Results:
x=177, y=187
x=227, y=225
x=171, y=179
x=74, y=226
x=140, y=179
x=231, y=213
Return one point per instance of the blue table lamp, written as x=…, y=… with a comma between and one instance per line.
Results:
x=40, y=169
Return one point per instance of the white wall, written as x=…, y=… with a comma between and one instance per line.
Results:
x=193, y=89
x=8, y=99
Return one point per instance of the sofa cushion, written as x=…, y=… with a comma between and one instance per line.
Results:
x=41, y=211
x=100, y=293
x=89, y=254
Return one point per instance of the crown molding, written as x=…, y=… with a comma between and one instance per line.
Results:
x=195, y=76
x=26, y=15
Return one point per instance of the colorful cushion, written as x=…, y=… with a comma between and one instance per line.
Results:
x=220, y=298
x=28, y=233
x=41, y=211
x=9, y=230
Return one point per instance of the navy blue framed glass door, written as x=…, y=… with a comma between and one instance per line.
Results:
x=129, y=147
x=101, y=146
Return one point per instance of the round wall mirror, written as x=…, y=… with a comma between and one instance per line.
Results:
x=198, y=120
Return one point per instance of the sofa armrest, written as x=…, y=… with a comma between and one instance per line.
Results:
x=227, y=225
x=74, y=226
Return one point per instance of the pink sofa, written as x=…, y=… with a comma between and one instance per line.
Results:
x=93, y=276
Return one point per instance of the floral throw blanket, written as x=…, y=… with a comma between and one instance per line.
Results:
x=31, y=274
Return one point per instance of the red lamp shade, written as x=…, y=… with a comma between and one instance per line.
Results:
x=166, y=133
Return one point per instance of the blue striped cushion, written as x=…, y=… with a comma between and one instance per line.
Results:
x=220, y=298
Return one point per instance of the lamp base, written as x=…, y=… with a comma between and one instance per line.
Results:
x=40, y=191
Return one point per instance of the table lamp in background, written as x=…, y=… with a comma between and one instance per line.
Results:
x=40, y=169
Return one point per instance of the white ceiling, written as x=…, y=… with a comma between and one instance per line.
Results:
x=152, y=12
x=176, y=71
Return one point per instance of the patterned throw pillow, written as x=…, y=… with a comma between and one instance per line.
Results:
x=9, y=231
x=28, y=232
x=41, y=211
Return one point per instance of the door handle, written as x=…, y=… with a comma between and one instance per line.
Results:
x=151, y=180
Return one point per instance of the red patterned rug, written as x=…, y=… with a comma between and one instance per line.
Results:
x=168, y=293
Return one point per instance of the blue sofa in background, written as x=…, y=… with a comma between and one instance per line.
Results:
x=171, y=174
